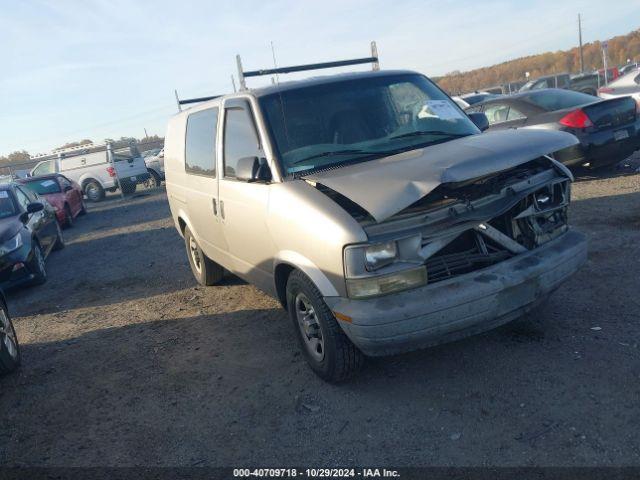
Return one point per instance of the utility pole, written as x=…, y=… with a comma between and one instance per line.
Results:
x=146, y=135
x=580, y=40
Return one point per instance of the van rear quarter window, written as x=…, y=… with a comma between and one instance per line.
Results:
x=200, y=148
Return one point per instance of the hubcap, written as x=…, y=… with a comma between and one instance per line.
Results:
x=195, y=255
x=7, y=335
x=92, y=192
x=309, y=327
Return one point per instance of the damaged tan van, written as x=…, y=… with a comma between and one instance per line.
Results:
x=372, y=207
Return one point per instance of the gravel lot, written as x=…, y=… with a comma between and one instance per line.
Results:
x=127, y=362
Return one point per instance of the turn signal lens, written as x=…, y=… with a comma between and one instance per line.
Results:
x=576, y=119
x=111, y=171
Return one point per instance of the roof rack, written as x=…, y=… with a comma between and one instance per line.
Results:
x=373, y=59
x=187, y=101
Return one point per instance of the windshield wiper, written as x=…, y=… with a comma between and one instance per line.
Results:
x=335, y=152
x=420, y=133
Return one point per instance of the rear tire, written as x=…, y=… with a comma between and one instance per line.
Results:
x=328, y=351
x=128, y=188
x=206, y=271
x=94, y=191
x=83, y=207
x=10, y=356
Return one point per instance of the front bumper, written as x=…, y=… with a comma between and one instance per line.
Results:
x=15, y=268
x=461, y=306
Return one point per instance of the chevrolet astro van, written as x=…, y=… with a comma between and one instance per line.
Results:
x=374, y=209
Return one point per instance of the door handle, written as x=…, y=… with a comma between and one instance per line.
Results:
x=215, y=207
x=222, y=209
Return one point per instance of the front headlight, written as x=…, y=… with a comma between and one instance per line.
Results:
x=384, y=284
x=11, y=245
x=380, y=255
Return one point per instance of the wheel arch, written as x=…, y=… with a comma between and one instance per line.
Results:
x=287, y=262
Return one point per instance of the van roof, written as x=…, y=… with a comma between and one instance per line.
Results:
x=307, y=82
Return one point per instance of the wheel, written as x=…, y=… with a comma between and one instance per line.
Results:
x=206, y=271
x=328, y=351
x=9, y=346
x=38, y=266
x=128, y=188
x=94, y=191
x=83, y=207
x=59, y=245
x=153, y=180
x=68, y=216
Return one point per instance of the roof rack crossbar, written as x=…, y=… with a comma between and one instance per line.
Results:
x=311, y=66
x=197, y=100
x=373, y=59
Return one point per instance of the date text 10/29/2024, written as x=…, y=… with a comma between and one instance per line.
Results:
x=315, y=473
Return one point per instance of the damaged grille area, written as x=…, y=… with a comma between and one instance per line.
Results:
x=536, y=219
x=465, y=254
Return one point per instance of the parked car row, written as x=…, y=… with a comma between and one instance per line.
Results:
x=33, y=211
x=607, y=129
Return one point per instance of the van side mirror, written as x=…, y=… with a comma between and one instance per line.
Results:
x=252, y=169
x=480, y=119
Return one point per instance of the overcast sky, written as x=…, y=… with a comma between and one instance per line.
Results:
x=107, y=68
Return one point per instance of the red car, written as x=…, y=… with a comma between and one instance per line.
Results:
x=63, y=194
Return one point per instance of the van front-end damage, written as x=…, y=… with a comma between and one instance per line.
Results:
x=465, y=258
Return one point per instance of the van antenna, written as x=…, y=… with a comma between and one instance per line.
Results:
x=284, y=118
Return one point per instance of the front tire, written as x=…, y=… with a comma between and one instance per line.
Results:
x=38, y=266
x=10, y=356
x=206, y=271
x=153, y=180
x=328, y=351
x=68, y=216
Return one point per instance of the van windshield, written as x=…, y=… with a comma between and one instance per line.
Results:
x=331, y=124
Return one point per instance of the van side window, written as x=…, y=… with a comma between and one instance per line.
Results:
x=240, y=139
x=200, y=148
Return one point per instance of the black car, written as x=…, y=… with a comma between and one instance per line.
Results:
x=29, y=231
x=608, y=130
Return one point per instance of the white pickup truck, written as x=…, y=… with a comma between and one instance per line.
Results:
x=97, y=168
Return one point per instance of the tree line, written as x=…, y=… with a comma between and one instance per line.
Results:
x=620, y=49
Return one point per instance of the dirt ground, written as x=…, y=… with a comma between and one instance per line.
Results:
x=127, y=362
